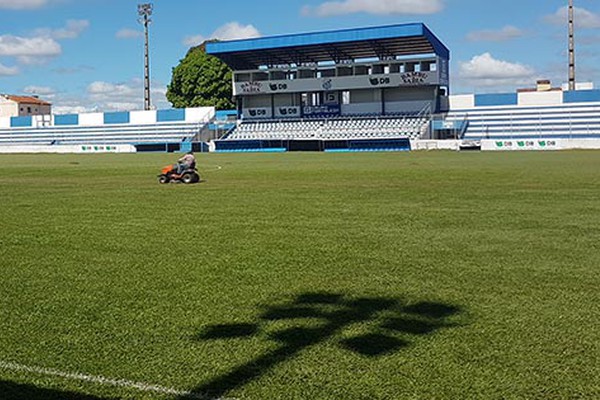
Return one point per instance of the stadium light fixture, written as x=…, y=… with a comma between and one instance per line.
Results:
x=145, y=11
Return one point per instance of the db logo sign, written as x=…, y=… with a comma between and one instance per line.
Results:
x=257, y=112
x=278, y=86
x=379, y=81
x=288, y=111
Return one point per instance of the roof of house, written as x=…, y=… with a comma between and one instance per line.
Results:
x=27, y=100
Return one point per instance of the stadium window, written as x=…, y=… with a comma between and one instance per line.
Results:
x=346, y=97
x=361, y=70
x=278, y=75
x=316, y=99
x=378, y=69
x=245, y=77
x=344, y=71
x=28, y=110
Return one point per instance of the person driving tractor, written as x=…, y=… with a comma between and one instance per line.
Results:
x=188, y=161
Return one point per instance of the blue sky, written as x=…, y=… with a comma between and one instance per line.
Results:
x=86, y=55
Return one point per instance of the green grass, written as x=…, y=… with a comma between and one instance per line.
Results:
x=435, y=275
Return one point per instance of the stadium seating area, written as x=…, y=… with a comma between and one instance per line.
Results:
x=168, y=132
x=332, y=129
x=564, y=121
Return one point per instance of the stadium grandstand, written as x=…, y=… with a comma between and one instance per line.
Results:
x=518, y=119
x=357, y=89
x=154, y=130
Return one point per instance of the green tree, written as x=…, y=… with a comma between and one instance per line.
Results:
x=201, y=80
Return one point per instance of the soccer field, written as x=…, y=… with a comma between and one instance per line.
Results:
x=422, y=275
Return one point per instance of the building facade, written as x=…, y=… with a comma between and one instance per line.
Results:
x=20, y=106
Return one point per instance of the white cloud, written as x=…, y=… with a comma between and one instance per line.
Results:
x=378, y=7
x=100, y=89
x=45, y=91
x=101, y=96
x=123, y=96
x=72, y=30
x=127, y=33
x=67, y=107
x=509, y=32
x=583, y=18
x=234, y=30
x=229, y=31
x=42, y=45
x=485, y=70
x=120, y=106
x=16, y=46
x=8, y=71
x=194, y=40
x=22, y=4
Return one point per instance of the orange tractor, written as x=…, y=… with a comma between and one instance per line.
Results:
x=187, y=175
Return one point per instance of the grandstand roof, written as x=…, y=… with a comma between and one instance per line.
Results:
x=347, y=44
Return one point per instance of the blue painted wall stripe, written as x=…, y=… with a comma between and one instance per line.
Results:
x=66, y=119
x=175, y=114
x=21, y=121
x=116, y=118
x=581, y=96
x=498, y=99
x=224, y=114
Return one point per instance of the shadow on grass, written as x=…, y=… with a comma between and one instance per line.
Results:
x=389, y=318
x=17, y=391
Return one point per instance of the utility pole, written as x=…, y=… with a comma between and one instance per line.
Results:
x=571, y=46
x=145, y=11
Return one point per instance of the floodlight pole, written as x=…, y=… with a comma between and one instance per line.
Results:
x=571, y=46
x=145, y=11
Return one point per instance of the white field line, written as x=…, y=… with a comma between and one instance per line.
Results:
x=144, y=387
x=215, y=168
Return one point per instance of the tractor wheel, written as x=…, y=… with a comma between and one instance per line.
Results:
x=187, y=178
x=196, y=178
x=163, y=179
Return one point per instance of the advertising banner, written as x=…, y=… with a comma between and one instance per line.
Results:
x=71, y=148
x=324, y=111
x=337, y=83
x=257, y=113
x=521, y=144
x=288, y=112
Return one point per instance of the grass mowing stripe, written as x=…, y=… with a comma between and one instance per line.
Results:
x=101, y=380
